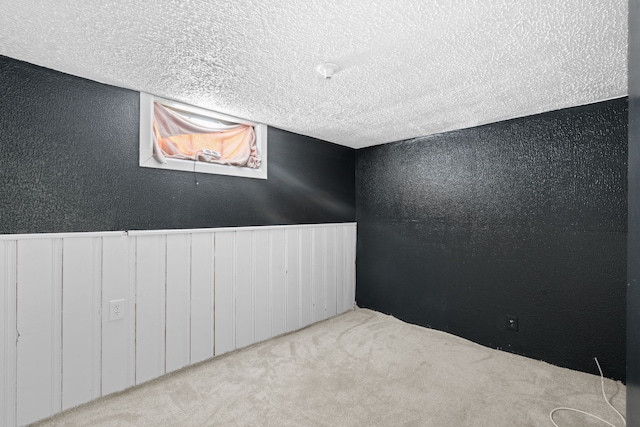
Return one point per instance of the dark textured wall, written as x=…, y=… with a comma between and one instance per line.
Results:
x=633, y=251
x=525, y=217
x=69, y=162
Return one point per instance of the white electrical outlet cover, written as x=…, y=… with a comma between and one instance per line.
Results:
x=116, y=309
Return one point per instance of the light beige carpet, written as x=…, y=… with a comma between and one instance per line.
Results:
x=361, y=368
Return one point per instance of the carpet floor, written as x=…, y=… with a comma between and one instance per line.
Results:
x=361, y=368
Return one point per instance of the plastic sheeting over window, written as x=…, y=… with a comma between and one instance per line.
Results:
x=180, y=137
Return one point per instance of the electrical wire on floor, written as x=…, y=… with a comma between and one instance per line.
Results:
x=624, y=421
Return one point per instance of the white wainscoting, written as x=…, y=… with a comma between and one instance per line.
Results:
x=189, y=295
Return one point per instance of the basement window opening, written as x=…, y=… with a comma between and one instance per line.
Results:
x=182, y=137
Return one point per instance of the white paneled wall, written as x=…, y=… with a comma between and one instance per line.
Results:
x=118, y=337
x=39, y=309
x=188, y=295
x=8, y=333
x=81, y=300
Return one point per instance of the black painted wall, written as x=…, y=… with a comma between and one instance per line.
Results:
x=69, y=162
x=633, y=251
x=526, y=217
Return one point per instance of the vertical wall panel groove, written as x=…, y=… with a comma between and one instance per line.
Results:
x=8, y=333
x=97, y=319
x=80, y=321
x=202, y=276
x=306, y=280
x=314, y=281
x=177, y=301
x=325, y=278
x=349, y=298
x=118, y=336
x=132, y=309
x=339, y=269
x=277, y=282
x=352, y=265
x=262, y=316
x=36, y=323
x=253, y=286
x=224, y=278
x=56, y=328
x=234, y=291
x=243, y=298
x=292, y=280
x=349, y=263
x=212, y=295
x=270, y=285
x=318, y=267
x=150, y=307
x=285, y=283
x=299, y=278
x=4, y=331
x=330, y=276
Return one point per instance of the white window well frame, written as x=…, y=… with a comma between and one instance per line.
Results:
x=147, y=160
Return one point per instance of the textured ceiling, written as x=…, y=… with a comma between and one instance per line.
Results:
x=408, y=67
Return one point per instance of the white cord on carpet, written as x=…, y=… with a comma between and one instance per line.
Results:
x=624, y=421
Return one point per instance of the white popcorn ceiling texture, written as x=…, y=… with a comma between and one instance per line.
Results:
x=409, y=67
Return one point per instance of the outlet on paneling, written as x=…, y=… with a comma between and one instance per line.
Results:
x=116, y=309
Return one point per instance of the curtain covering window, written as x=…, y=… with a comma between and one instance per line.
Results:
x=176, y=136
